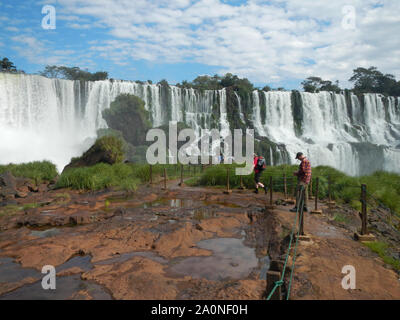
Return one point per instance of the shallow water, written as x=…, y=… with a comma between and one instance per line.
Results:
x=230, y=259
x=66, y=287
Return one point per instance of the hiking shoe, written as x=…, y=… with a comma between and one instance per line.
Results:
x=305, y=209
x=293, y=210
x=256, y=191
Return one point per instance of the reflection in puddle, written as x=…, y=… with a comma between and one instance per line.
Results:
x=203, y=213
x=230, y=259
x=173, y=203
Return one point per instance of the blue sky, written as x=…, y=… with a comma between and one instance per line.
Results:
x=275, y=42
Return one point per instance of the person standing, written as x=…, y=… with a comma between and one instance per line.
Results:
x=303, y=180
x=259, y=166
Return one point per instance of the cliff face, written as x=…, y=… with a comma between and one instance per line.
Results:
x=57, y=119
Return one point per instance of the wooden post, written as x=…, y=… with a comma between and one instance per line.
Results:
x=228, y=188
x=270, y=191
x=301, y=217
x=227, y=179
x=329, y=190
x=284, y=185
x=241, y=183
x=151, y=174
x=316, y=211
x=364, y=235
x=294, y=187
x=201, y=168
x=272, y=277
x=310, y=197
x=331, y=202
x=364, y=230
x=165, y=179
x=181, y=182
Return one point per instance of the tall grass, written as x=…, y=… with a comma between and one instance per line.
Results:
x=383, y=186
x=122, y=176
x=98, y=177
x=39, y=171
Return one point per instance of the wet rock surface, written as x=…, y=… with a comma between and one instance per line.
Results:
x=180, y=243
x=113, y=245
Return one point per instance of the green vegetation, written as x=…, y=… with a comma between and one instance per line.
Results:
x=62, y=198
x=385, y=187
x=381, y=248
x=30, y=206
x=128, y=115
x=217, y=82
x=371, y=80
x=74, y=73
x=124, y=176
x=98, y=177
x=316, y=84
x=39, y=171
x=9, y=210
x=107, y=149
x=8, y=66
x=339, y=217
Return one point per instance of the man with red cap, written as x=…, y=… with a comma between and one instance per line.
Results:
x=303, y=180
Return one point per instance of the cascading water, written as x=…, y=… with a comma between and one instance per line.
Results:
x=55, y=119
x=329, y=135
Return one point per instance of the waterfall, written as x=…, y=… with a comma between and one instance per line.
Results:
x=56, y=119
x=241, y=115
x=329, y=134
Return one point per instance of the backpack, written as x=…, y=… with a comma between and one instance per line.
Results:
x=261, y=165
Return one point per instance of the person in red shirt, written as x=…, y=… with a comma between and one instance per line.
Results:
x=303, y=180
x=258, y=167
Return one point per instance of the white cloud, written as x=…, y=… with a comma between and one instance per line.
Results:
x=266, y=41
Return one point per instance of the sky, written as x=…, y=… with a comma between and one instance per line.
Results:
x=276, y=42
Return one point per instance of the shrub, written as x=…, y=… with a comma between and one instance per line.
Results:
x=39, y=171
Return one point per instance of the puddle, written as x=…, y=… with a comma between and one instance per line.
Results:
x=126, y=256
x=66, y=287
x=230, y=259
x=82, y=262
x=11, y=271
x=173, y=203
x=45, y=233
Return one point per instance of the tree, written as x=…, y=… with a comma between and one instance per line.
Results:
x=7, y=66
x=128, y=115
x=316, y=84
x=74, y=73
x=373, y=81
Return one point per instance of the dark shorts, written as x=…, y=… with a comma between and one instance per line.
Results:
x=257, y=176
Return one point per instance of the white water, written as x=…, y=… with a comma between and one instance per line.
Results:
x=327, y=130
x=56, y=119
